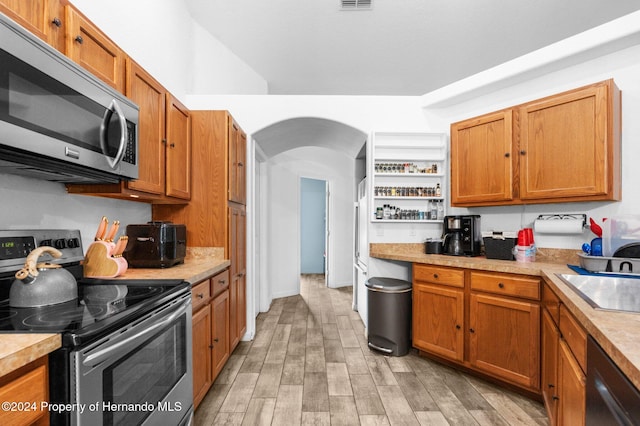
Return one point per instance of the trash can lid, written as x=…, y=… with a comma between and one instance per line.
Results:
x=387, y=284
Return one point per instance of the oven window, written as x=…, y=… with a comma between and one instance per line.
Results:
x=142, y=379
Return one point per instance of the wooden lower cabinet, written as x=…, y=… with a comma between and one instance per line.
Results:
x=571, y=388
x=484, y=322
x=563, y=364
x=220, y=332
x=201, y=338
x=549, y=383
x=438, y=320
x=27, y=386
x=504, y=338
x=210, y=332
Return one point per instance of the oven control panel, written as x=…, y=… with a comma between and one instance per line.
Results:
x=16, y=244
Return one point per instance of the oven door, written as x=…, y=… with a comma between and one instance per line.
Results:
x=139, y=375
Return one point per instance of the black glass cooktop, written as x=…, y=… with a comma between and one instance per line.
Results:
x=100, y=306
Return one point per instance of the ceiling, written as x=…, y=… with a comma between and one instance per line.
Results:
x=398, y=47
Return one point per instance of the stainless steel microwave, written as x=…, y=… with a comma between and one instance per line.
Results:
x=57, y=121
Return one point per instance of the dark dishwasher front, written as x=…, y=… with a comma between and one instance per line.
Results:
x=611, y=398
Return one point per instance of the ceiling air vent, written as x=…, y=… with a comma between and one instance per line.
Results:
x=356, y=4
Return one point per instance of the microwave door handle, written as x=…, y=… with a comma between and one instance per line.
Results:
x=114, y=107
x=101, y=355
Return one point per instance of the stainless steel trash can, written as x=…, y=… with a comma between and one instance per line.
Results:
x=389, y=315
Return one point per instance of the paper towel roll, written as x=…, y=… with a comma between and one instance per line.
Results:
x=558, y=226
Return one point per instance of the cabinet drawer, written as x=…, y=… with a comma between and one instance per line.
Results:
x=552, y=303
x=509, y=285
x=434, y=274
x=200, y=294
x=220, y=283
x=574, y=335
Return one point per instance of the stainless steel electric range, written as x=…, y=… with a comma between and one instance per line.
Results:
x=126, y=344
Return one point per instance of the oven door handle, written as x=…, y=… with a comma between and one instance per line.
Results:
x=101, y=355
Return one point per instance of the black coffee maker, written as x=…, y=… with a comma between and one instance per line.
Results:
x=461, y=235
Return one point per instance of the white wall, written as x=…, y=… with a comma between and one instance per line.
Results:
x=283, y=210
x=32, y=203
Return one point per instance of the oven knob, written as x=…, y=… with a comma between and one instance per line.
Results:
x=46, y=243
x=60, y=243
x=73, y=243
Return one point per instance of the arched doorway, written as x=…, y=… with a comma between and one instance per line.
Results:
x=284, y=152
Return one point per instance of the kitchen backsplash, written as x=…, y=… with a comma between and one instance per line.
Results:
x=32, y=203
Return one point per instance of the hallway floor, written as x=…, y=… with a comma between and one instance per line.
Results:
x=309, y=364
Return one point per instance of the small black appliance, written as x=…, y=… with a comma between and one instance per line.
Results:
x=156, y=245
x=462, y=236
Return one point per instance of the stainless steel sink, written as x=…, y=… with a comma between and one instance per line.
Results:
x=608, y=293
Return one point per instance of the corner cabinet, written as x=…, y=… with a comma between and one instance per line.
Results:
x=562, y=148
x=409, y=182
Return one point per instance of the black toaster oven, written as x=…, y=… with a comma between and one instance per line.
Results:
x=156, y=244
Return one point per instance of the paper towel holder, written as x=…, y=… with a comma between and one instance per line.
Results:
x=559, y=217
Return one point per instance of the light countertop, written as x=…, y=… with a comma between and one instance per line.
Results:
x=17, y=350
x=617, y=332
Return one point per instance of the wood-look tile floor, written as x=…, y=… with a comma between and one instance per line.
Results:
x=309, y=364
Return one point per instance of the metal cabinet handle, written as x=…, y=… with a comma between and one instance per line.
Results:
x=215, y=340
x=507, y=154
x=471, y=330
x=79, y=39
x=457, y=326
x=57, y=22
x=500, y=285
x=172, y=145
x=523, y=152
x=435, y=276
x=200, y=296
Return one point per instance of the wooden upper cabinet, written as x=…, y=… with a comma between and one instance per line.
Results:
x=568, y=147
x=145, y=91
x=93, y=50
x=481, y=159
x=44, y=18
x=561, y=148
x=178, y=162
x=237, y=161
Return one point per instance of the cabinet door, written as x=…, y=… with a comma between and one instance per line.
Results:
x=438, y=320
x=237, y=256
x=145, y=91
x=27, y=387
x=32, y=15
x=237, y=159
x=178, y=166
x=93, y=50
x=201, y=343
x=481, y=159
x=567, y=147
x=549, y=384
x=504, y=338
x=571, y=384
x=220, y=332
